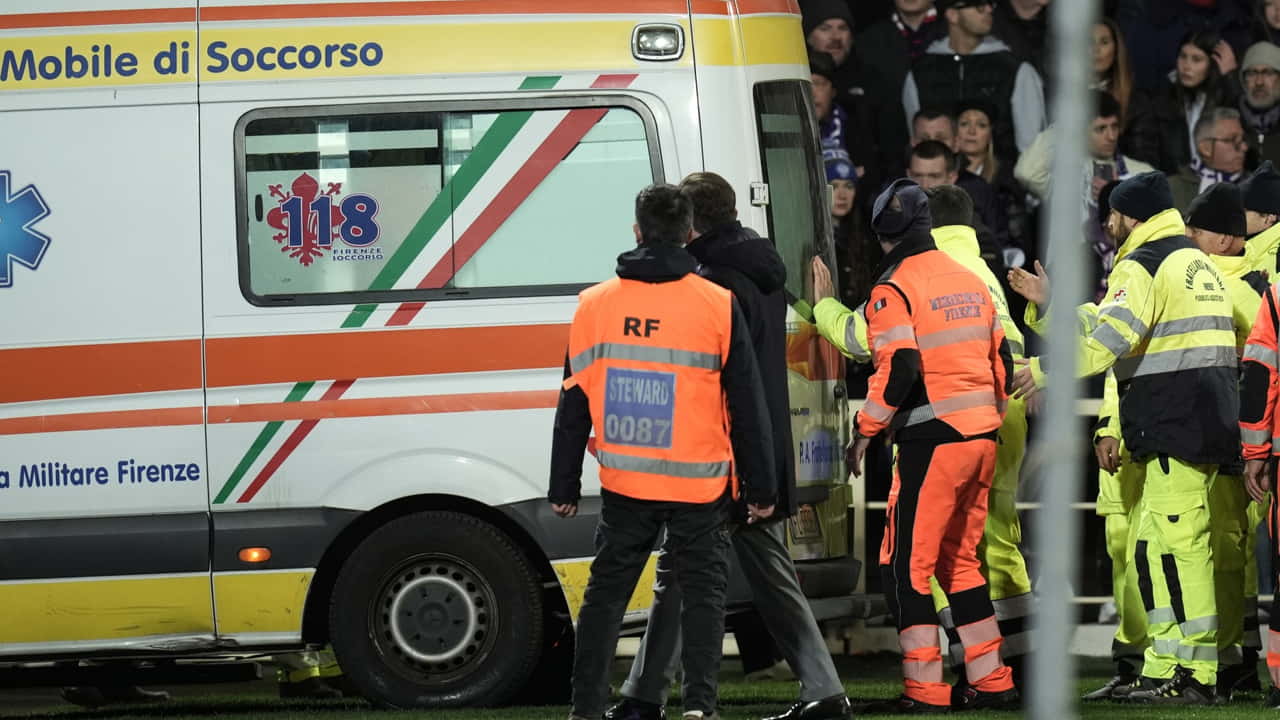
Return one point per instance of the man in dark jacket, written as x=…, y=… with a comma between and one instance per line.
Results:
x=971, y=63
x=887, y=50
x=736, y=258
x=1023, y=26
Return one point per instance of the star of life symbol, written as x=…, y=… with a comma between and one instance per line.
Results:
x=19, y=241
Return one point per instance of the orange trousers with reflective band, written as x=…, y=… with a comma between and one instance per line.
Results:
x=936, y=516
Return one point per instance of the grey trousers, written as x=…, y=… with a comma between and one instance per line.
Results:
x=771, y=575
x=697, y=551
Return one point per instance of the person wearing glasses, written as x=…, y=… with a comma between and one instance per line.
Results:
x=1260, y=101
x=1220, y=151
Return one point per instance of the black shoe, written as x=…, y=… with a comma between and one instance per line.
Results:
x=1249, y=682
x=836, y=707
x=313, y=688
x=1122, y=692
x=1237, y=679
x=1106, y=692
x=632, y=709
x=903, y=705
x=1273, y=699
x=971, y=698
x=1181, y=689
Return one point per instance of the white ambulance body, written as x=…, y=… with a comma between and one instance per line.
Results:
x=286, y=289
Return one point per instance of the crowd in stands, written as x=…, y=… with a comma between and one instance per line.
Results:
x=957, y=92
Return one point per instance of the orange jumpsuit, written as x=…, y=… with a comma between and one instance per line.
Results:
x=942, y=375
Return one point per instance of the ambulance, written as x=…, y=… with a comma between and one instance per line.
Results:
x=285, y=293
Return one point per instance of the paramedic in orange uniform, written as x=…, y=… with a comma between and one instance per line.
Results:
x=660, y=360
x=942, y=369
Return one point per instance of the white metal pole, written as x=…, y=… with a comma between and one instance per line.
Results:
x=1059, y=437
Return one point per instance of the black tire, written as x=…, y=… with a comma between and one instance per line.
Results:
x=434, y=610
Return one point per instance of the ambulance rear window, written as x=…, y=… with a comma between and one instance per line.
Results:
x=799, y=222
x=412, y=202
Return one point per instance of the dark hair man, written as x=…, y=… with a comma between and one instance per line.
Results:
x=660, y=364
x=971, y=62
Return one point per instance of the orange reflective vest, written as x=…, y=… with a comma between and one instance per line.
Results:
x=648, y=357
x=932, y=304
x=1259, y=424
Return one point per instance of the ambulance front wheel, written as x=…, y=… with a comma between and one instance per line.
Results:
x=437, y=609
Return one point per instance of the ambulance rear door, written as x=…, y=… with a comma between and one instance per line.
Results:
x=104, y=526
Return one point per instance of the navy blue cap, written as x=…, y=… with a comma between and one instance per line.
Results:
x=911, y=216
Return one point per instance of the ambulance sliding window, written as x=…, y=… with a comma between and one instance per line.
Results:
x=798, y=219
x=342, y=207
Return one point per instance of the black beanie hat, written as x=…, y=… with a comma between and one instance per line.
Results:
x=1220, y=209
x=1143, y=196
x=911, y=217
x=815, y=12
x=1262, y=190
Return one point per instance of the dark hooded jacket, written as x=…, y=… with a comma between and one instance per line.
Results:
x=736, y=258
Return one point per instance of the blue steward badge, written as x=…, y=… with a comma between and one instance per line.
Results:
x=639, y=406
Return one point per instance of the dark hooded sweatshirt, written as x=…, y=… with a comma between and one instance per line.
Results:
x=740, y=378
x=738, y=259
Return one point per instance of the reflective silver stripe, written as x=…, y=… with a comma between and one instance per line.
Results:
x=1199, y=625
x=942, y=338
x=1161, y=615
x=644, y=353
x=1011, y=608
x=876, y=411
x=1165, y=646
x=1126, y=316
x=1260, y=353
x=966, y=401
x=1112, y=340
x=893, y=334
x=915, y=416
x=1192, y=324
x=1172, y=360
x=856, y=346
x=1088, y=321
x=654, y=466
x=1255, y=437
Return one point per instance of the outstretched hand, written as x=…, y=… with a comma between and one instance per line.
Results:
x=1034, y=288
x=822, y=285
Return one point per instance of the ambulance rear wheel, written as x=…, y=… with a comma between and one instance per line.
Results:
x=437, y=609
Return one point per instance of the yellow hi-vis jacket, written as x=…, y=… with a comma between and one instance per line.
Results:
x=1261, y=251
x=1245, y=285
x=1166, y=327
x=847, y=329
